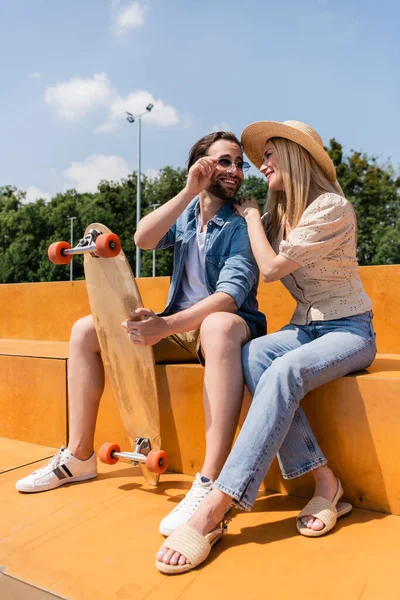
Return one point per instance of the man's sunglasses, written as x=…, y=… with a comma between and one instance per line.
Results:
x=241, y=165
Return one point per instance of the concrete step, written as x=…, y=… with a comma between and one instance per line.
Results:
x=356, y=420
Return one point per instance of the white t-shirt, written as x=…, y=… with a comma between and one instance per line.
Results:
x=194, y=286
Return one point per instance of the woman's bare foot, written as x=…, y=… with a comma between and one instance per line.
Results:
x=206, y=518
x=325, y=486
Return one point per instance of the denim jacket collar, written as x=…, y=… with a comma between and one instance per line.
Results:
x=222, y=215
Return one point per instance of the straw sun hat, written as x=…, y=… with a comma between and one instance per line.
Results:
x=256, y=134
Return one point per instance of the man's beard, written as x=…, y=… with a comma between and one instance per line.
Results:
x=216, y=189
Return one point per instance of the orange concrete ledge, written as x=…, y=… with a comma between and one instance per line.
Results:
x=355, y=419
x=33, y=399
x=47, y=311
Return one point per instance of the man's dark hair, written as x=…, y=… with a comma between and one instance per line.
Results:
x=201, y=147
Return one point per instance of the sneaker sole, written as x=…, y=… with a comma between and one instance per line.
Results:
x=53, y=486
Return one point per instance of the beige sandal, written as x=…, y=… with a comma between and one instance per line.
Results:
x=327, y=512
x=190, y=543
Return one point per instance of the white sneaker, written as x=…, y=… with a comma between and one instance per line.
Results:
x=62, y=468
x=186, y=507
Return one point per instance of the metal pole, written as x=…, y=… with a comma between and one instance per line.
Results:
x=131, y=119
x=138, y=198
x=72, y=245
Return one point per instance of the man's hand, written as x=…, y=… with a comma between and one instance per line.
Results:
x=200, y=175
x=145, y=328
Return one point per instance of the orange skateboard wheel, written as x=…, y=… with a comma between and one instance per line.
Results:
x=157, y=461
x=56, y=254
x=105, y=453
x=108, y=245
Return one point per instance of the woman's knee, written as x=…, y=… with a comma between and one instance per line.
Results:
x=260, y=351
x=84, y=336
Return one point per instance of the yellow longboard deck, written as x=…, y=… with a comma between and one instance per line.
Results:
x=113, y=295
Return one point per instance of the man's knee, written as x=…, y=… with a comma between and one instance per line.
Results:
x=83, y=334
x=222, y=329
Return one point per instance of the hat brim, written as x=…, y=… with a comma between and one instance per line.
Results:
x=255, y=136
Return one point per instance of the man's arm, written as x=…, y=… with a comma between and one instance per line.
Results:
x=236, y=279
x=154, y=226
x=152, y=328
x=191, y=318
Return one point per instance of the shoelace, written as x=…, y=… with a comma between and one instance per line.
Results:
x=52, y=464
x=194, y=497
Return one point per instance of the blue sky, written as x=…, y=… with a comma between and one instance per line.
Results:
x=69, y=70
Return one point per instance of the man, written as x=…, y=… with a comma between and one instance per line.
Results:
x=211, y=313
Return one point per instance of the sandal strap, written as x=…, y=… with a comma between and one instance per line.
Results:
x=190, y=543
x=320, y=508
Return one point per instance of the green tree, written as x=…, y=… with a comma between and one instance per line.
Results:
x=374, y=191
x=256, y=187
x=26, y=230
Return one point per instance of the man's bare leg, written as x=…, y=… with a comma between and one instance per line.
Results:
x=222, y=336
x=85, y=387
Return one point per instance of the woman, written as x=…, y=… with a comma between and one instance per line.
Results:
x=310, y=244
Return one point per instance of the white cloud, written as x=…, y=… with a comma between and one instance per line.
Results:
x=108, y=127
x=132, y=16
x=35, y=76
x=33, y=193
x=152, y=173
x=74, y=99
x=223, y=126
x=86, y=175
x=162, y=114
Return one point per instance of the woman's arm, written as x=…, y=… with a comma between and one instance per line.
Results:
x=272, y=266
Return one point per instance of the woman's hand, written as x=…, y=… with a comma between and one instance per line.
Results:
x=245, y=206
x=200, y=175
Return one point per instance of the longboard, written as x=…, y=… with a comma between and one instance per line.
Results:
x=113, y=295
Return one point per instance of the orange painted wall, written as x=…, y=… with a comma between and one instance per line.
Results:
x=46, y=311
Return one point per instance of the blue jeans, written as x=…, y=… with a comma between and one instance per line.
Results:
x=279, y=369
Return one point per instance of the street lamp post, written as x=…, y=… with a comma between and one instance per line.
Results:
x=131, y=119
x=72, y=245
x=154, y=206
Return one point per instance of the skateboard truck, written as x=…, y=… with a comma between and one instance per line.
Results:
x=156, y=461
x=104, y=245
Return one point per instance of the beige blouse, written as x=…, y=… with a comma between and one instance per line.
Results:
x=327, y=285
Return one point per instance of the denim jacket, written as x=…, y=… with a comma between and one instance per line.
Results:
x=229, y=262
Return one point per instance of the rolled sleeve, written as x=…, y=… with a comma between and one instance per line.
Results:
x=240, y=272
x=324, y=226
x=168, y=240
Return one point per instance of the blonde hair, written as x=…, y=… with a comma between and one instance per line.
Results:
x=303, y=181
